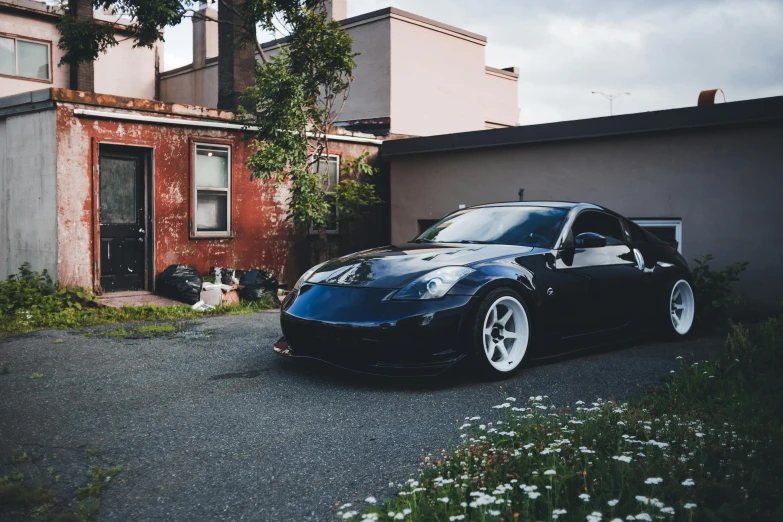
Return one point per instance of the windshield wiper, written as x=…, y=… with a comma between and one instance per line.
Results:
x=474, y=242
x=423, y=240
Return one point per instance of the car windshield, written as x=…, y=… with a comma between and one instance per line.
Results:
x=511, y=225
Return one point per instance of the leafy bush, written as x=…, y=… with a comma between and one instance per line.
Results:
x=30, y=294
x=713, y=292
x=707, y=445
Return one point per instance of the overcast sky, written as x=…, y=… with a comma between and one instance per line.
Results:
x=661, y=51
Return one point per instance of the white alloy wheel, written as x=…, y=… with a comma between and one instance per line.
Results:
x=682, y=307
x=506, y=333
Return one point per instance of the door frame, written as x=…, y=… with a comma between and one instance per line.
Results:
x=146, y=151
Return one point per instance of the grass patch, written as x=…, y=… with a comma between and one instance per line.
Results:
x=14, y=493
x=706, y=445
x=4, y=367
x=20, y=501
x=95, y=316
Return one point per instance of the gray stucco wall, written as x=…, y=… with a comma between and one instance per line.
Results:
x=28, y=193
x=725, y=183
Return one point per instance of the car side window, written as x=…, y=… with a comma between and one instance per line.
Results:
x=599, y=223
x=635, y=232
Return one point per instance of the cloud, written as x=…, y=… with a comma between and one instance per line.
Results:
x=664, y=51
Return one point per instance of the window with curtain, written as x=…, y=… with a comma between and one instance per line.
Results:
x=212, y=190
x=19, y=57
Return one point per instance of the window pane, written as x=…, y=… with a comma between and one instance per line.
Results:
x=598, y=223
x=211, y=212
x=330, y=167
x=211, y=167
x=118, y=191
x=33, y=60
x=7, y=64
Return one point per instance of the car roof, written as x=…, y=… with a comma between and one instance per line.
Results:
x=551, y=204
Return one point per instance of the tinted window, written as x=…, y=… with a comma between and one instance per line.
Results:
x=526, y=226
x=599, y=223
x=637, y=234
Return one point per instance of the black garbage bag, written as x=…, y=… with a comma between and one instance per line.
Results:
x=181, y=283
x=257, y=283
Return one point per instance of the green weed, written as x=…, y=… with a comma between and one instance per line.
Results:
x=706, y=445
x=36, y=375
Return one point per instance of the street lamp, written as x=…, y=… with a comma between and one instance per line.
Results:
x=611, y=98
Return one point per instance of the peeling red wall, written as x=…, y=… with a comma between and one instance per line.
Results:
x=262, y=237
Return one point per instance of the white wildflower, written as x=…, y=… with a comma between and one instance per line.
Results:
x=533, y=494
x=613, y=503
x=550, y=472
x=623, y=458
x=585, y=497
x=370, y=500
x=690, y=505
x=457, y=517
x=642, y=499
x=644, y=516
x=688, y=482
x=653, y=480
x=445, y=500
x=494, y=512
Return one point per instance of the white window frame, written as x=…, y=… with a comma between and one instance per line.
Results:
x=16, y=74
x=194, y=228
x=336, y=230
x=661, y=223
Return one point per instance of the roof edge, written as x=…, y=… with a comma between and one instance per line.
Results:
x=389, y=12
x=733, y=113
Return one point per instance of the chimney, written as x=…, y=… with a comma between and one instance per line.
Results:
x=205, y=34
x=711, y=97
x=236, y=66
x=82, y=75
x=336, y=9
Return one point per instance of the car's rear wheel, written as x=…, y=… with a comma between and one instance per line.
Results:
x=681, y=310
x=501, y=333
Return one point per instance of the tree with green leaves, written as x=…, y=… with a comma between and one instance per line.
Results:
x=297, y=95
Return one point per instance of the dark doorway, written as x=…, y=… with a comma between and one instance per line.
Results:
x=123, y=217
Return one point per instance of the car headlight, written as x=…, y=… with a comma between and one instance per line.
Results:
x=307, y=275
x=435, y=284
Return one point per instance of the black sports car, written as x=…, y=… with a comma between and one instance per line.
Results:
x=497, y=283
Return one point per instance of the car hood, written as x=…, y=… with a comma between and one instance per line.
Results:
x=395, y=266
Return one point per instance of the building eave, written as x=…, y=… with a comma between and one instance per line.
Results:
x=725, y=114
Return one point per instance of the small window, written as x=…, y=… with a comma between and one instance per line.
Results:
x=212, y=190
x=329, y=167
x=25, y=58
x=599, y=223
x=667, y=230
x=426, y=224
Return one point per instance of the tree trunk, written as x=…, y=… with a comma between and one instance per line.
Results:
x=323, y=246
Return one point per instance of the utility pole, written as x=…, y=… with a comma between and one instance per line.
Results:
x=611, y=98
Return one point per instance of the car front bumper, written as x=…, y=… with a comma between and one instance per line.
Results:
x=359, y=329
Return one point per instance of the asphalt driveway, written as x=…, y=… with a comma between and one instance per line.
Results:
x=213, y=426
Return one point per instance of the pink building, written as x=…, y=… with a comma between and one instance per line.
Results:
x=414, y=76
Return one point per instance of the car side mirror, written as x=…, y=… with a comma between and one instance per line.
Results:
x=590, y=240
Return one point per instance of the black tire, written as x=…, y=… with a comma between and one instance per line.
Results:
x=478, y=353
x=665, y=323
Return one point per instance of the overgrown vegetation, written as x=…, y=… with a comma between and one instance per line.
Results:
x=19, y=500
x=31, y=301
x=713, y=291
x=706, y=445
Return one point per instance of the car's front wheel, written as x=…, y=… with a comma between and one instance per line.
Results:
x=501, y=333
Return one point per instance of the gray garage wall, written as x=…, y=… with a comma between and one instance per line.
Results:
x=725, y=183
x=28, y=192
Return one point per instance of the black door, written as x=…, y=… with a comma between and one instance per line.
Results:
x=122, y=219
x=602, y=287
